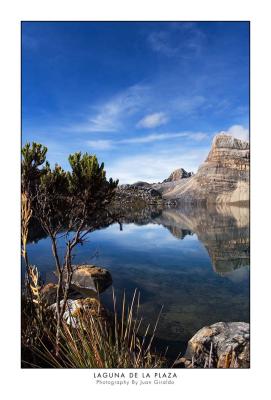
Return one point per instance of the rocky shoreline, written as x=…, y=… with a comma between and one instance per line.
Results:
x=221, y=345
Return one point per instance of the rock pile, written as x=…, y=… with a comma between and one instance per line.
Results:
x=140, y=191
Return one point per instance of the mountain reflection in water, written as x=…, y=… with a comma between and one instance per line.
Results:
x=224, y=231
x=192, y=261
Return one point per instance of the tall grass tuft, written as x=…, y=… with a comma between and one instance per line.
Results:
x=95, y=342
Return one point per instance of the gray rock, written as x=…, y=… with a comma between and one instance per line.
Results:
x=140, y=192
x=221, y=345
x=177, y=175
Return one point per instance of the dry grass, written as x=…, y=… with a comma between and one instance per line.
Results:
x=95, y=342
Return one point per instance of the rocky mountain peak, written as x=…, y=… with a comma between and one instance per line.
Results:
x=226, y=148
x=178, y=174
x=227, y=141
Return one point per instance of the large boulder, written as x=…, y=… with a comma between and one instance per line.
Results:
x=91, y=277
x=221, y=345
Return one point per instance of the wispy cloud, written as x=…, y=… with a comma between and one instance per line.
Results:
x=155, y=137
x=153, y=120
x=188, y=105
x=165, y=136
x=109, y=116
x=100, y=144
x=184, y=40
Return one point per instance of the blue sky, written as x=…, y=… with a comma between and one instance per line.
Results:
x=145, y=97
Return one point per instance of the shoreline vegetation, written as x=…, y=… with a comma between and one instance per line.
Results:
x=63, y=329
x=73, y=204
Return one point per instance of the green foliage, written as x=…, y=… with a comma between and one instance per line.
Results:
x=87, y=181
x=52, y=204
x=57, y=195
x=54, y=182
x=33, y=157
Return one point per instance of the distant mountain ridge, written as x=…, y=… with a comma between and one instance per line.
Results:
x=222, y=178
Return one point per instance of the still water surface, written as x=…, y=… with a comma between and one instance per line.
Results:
x=193, y=262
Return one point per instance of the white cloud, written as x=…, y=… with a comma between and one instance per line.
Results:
x=152, y=138
x=153, y=120
x=156, y=166
x=100, y=144
x=110, y=115
x=198, y=136
x=239, y=132
x=164, y=136
x=155, y=137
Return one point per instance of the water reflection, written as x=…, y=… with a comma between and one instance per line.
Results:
x=193, y=261
x=223, y=230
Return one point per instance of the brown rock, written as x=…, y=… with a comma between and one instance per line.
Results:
x=90, y=279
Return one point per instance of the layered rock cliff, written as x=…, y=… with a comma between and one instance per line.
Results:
x=222, y=178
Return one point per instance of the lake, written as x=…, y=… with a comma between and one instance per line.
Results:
x=192, y=261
